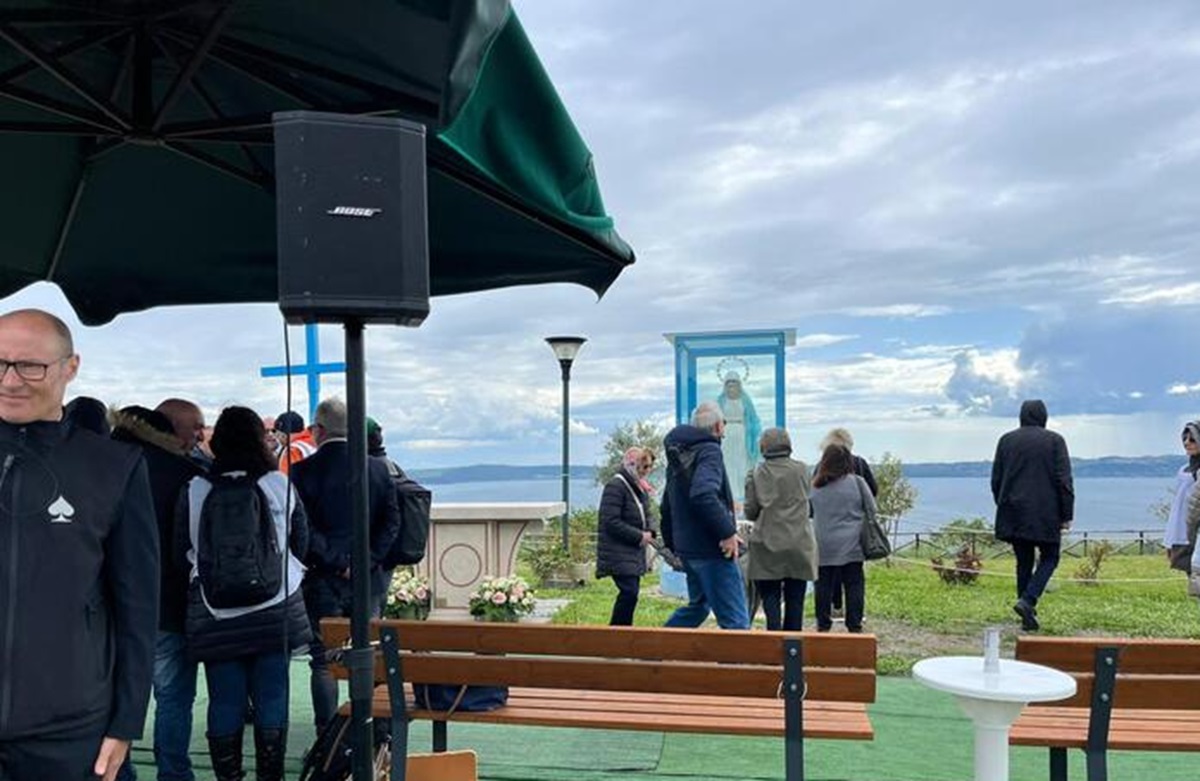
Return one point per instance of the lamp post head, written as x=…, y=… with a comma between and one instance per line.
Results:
x=565, y=347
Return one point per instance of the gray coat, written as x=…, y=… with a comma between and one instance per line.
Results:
x=782, y=543
x=839, y=509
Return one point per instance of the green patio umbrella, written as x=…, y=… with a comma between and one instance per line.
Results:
x=135, y=143
x=136, y=160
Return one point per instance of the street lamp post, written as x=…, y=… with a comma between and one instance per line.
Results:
x=565, y=349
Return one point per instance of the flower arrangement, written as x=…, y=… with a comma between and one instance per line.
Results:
x=502, y=599
x=408, y=596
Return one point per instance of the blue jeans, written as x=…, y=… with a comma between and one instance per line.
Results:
x=174, y=696
x=716, y=585
x=261, y=678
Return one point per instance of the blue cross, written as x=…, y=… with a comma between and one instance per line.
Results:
x=312, y=368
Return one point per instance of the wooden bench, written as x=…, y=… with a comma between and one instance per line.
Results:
x=1133, y=695
x=788, y=685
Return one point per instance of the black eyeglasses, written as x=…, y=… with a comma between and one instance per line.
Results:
x=1187, y=436
x=31, y=371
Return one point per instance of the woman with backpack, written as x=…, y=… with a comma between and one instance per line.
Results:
x=234, y=531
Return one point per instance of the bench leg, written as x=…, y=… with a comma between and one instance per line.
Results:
x=1058, y=764
x=439, y=737
x=1097, y=765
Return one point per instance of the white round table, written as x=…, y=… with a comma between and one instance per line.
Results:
x=993, y=700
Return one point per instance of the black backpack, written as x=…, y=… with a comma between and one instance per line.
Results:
x=415, y=502
x=238, y=557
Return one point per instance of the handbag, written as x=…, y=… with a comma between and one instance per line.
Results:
x=873, y=538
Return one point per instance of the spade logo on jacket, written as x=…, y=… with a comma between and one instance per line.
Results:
x=61, y=511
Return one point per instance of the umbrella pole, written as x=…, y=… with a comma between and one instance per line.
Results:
x=361, y=663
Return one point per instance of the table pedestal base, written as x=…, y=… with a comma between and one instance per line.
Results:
x=992, y=720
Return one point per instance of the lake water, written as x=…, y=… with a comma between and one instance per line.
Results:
x=1101, y=503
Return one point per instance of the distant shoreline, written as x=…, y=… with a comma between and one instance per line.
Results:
x=1109, y=466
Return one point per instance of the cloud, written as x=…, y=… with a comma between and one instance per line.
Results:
x=977, y=390
x=899, y=310
x=1183, y=389
x=822, y=340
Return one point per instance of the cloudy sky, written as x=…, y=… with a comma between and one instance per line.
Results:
x=956, y=206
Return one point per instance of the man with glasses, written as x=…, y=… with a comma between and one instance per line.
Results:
x=1035, y=503
x=79, y=564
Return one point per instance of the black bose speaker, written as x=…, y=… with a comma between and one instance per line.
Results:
x=352, y=218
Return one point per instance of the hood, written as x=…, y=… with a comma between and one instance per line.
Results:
x=687, y=435
x=1033, y=413
x=128, y=427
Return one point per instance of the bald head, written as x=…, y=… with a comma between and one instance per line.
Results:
x=38, y=319
x=38, y=361
x=187, y=419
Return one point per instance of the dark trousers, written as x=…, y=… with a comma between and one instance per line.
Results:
x=854, y=588
x=327, y=596
x=43, y=759
x=792, y=593
x=627, y=599
x=1031, y=579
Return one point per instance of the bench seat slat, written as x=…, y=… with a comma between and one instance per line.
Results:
x=1135, y=729
x=633, y=711
x=1139, y=690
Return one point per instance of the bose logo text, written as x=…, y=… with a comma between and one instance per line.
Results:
x=353, y=211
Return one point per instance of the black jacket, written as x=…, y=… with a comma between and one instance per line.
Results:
x=624, y=515
x=697, y=509
x=1031, y=480
x=261, y=630
x=78, y=583
x=323, y=480
x=169, y=473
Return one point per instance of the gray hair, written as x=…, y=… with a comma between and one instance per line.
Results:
x=775, y=441
x=838, y=436
x=707, y=415
x=332, y=416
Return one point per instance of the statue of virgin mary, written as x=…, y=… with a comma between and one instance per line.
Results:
x=742, y=430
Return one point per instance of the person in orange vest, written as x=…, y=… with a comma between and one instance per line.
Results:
x=299, y=440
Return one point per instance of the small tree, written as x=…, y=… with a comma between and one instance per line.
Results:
x=896, y=495
x=641, y=433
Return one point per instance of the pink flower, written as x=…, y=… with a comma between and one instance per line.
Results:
x=422, y=594
x=499, y=598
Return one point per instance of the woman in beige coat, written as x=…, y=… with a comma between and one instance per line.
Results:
x=782, y=545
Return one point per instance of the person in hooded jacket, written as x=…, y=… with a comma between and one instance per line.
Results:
x=782, y=545
x=1035, y=503
x=625, y=529
x=698, y=523
x=174, y=673
x=1179, y=537
x=246, y=650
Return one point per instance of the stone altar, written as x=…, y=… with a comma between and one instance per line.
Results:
x=471, y=541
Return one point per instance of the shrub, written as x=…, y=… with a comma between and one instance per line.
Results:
x=1088, y=571
x=963, y=572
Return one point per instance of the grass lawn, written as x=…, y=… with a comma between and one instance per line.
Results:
x=916, y=615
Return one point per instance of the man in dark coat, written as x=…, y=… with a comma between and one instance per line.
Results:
x=698, y=524
x=79, y=596
x=1035, y=503
x=323, y=482
x=170, y=471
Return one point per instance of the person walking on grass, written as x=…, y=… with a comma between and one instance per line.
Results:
x=697, y=522
x=1035, y=503
x=783, y=547
x=624, y=532
x=841, y=503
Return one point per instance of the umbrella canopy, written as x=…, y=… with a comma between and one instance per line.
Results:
x=135, y=143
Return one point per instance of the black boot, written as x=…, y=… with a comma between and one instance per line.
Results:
x=226, y=753
x=269, y=747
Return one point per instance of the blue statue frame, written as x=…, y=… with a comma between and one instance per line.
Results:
x=718, y=344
